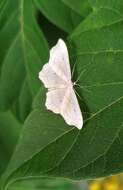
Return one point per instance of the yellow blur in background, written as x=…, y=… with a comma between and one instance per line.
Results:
x=110, y=183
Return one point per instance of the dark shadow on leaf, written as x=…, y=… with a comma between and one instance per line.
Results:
x=51, y=32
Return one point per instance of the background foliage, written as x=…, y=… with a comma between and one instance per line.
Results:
x=35, y=143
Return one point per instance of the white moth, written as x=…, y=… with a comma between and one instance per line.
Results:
x=56, y=76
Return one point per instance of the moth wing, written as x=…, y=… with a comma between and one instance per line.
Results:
x=56, y=72
x=50, y=78
x=54, y=99
x=70, y=109
x=59, y=60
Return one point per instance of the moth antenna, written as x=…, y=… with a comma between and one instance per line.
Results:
x=80, y=75
x=78, y=95
x=73, y=70
x=79, y=86
x=82, y=72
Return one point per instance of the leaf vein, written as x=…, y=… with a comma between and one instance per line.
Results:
x=103, y=154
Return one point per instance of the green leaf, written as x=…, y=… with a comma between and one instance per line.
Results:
x=9, y=133
x=59, y=14
x=23, y=50
x=48, y=146
x=25, y=101
x=22, y=105
x=103, y=14
x=81, y=7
